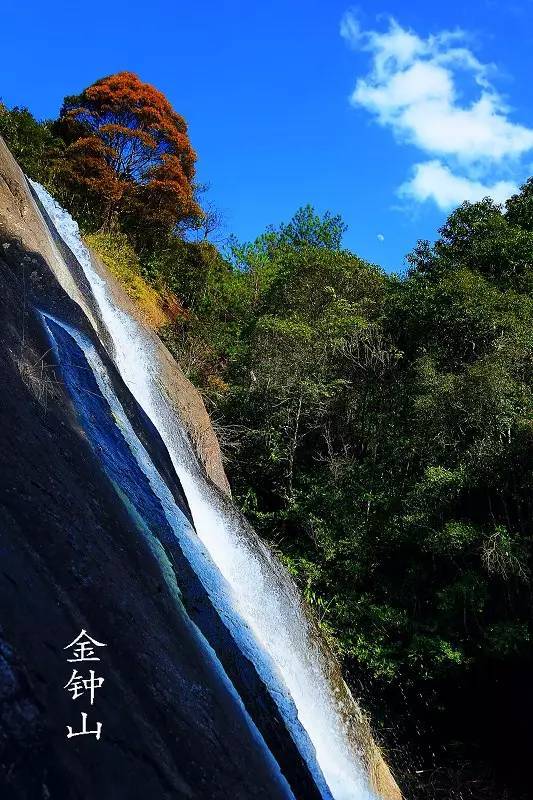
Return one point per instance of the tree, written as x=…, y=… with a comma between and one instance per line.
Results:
x=378, y=433
x=520, y=207
x=32, y=143
x=130, y=153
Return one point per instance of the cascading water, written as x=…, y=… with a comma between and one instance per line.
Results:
x=261, y=596
x=136, y=479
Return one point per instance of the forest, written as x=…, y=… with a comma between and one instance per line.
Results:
x=377, y=428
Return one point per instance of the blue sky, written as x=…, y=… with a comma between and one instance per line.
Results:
x=388, y=113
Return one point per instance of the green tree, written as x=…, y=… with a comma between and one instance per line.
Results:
x=379, y=435
x=33, y=144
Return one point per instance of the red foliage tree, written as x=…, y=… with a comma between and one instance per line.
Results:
x=129, y=151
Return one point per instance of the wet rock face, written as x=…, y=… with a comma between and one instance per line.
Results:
x=73, y=558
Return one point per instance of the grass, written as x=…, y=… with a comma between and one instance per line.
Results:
x=119, y=257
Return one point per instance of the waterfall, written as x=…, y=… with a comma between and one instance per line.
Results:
x=262, y=606
x=137, y=480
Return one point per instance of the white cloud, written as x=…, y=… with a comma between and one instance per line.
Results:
x=415, y=87
x=380, y=237
x=432, y=180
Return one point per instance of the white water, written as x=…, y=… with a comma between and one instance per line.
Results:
x=258, y=598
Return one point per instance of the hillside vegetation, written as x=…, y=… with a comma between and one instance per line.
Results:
x=378, y=429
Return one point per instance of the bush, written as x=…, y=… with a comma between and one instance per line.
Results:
x=120, y=258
